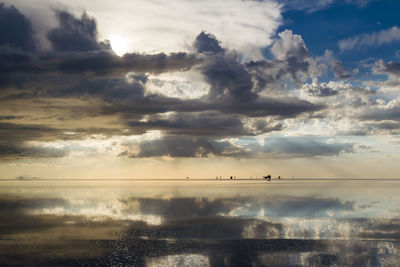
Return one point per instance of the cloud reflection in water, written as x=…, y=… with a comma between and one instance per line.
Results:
x=165, y=227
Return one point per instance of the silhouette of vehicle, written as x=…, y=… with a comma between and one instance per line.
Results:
x=268, y=177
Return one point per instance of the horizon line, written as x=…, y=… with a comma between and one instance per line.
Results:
x=189, y=179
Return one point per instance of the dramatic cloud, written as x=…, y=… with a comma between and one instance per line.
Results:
x=74, y=68
x=171, y=89
x=215, y=96
x=77, y=51
x=15, y=29
x=170, y=27
x=75, y=34
x=228, y=78
x=98, y=62
x=206, y=42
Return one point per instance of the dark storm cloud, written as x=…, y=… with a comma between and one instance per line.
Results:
x=16, y=43
x=15, y=29
x=103, y=62
x=226, y=76
x=206, y=42
x=106, y=62
x=110, y=90
x=82, y=68
x=128, y=98
x=76, y=50
x=75, y=34
x=229, y=79
x=288, y=107
x=15, y=60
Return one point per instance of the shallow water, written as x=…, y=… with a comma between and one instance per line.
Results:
x=200, y=222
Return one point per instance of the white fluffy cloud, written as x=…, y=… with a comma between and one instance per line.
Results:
x=371, y=39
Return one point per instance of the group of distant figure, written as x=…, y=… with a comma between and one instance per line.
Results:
x=267, y=177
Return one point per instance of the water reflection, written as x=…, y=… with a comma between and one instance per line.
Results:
x=206, y=223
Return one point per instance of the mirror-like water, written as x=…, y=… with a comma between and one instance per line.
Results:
x=200, y=223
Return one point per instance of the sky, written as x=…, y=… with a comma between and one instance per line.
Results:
x=175, y=89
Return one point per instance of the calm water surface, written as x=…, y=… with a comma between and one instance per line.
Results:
x=200, y=223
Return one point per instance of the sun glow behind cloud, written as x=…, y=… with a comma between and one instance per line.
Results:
x=118, y=44
x=171, y=26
